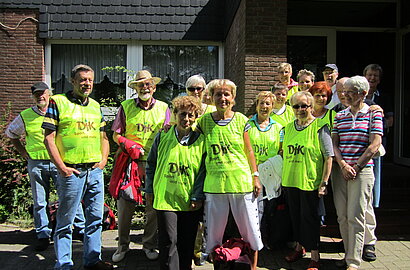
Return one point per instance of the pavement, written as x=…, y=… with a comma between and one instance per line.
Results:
x=17, y=252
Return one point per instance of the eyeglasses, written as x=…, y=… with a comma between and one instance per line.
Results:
x=192, y=89
x=349, y=92
x=142, y=84
x=303, y=106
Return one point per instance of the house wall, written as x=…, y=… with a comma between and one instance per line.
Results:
x=255, y=45
x=22, y=58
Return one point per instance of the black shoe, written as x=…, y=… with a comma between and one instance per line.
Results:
x=42, y=244
x=78, y=236
x=100, y=265
x=369, y=253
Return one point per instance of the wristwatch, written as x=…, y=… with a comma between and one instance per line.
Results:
x=256, y=174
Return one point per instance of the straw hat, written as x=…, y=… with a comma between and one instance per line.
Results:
x=141, y=76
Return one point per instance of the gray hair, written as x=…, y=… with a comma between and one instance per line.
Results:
x=307, y=73
x=374, y=67
x=299, y=94
x=358, y=83
x=195, y=79
x=79, y=68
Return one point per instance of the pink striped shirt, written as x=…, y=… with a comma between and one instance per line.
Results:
x=353, y=132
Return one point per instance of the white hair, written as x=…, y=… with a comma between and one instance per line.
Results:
x=195, y=79
x=359, y=83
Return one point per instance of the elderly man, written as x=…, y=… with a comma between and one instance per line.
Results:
x=40, y=169
x=138, y=121
x=78, y=146
x=330, y=74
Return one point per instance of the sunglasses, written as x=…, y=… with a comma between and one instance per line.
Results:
x=192, y=89
x=303, y=106
x=142, y=84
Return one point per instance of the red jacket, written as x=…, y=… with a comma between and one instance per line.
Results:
x=120, y=180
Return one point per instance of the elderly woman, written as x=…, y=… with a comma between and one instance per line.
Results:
x=231, y=181
x=264, y=136
x=281, y=112
x=175, y=177
x=356, y=136
x=307, y=162
x=306, y=79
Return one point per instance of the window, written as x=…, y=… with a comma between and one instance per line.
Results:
x=175, y=64
x=107, y=84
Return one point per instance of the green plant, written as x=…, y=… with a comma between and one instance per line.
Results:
x=15, y=192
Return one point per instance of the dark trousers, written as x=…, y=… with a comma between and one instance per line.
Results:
x=303, y=209
x=176, y=238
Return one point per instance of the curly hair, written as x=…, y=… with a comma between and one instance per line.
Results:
x=187, y=102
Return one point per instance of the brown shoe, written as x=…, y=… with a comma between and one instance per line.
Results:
x=295, y=255
x=99, y=266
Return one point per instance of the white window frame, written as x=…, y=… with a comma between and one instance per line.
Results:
x=134, y=53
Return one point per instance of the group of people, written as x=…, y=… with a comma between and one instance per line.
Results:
x=196, y=161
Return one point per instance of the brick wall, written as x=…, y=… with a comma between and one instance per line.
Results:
x=235, y=55
x=260, y=26
x=22, y=58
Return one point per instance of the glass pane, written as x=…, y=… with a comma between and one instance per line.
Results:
x=305, y=52
x=107, y=84
x=175, y=64
x=405, y=107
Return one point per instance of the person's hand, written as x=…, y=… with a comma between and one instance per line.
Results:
x=257, y=187
x=100, y=164
x=322, y=189
x=376, y=108
x=166, y=127
x=25, y=155
x=195, y=205
x=349, y=173
x=149, y=197
x=68, y=171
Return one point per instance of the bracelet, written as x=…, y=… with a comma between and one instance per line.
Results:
x=256, y=174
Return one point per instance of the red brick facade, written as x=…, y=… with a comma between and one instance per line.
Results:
x=255, y=45
x=22, y=57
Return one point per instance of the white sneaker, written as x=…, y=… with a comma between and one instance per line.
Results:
x=119, y=254
x=152, y=254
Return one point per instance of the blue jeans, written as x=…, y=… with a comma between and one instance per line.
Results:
x=40, y=173
x=89, y=187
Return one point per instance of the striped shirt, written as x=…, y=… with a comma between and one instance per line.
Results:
x=52, y=117
x=354, y=131
x=17, y=129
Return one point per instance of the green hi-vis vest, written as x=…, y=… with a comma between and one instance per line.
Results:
x=34, y=134
x=265, y=144
x=143, y=125
x=302, y=157
x=78, y=137
x=227, y=167
x=328, y=118
x=177, y=168
x=286, y=117
x=291, y=91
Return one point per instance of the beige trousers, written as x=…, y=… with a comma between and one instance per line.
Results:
x=352, y=200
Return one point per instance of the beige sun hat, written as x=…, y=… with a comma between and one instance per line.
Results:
x=141, y=76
